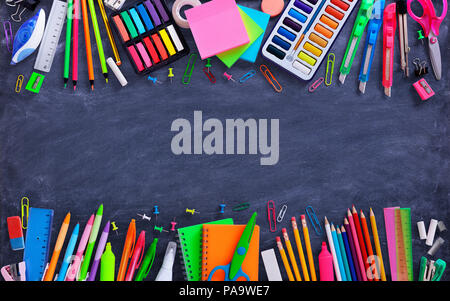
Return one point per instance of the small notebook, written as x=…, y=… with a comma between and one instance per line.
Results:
x=219, y=244
x=190, y=242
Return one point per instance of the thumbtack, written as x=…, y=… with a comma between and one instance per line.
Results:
x=173, y=223
x=115, y=228
x=191, y=211
x=421, y=37
x=145, y=217
x=155, y=210
x=222, y=207
x=229, y=76
x=160, y=229
x=171, y=75
x=208, y=64
x=154, y=80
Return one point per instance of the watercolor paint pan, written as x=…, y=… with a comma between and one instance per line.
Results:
x=149, y=35
x=327, y=22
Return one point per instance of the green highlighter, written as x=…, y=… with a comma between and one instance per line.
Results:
x=364, y=13
x=147, y=262
x=107, y=264
x=91, y=243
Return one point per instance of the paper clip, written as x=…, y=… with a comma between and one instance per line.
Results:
x=281, y=214
x=189, y=69
x=19, y=83
x=329, y=72
x=247, y=76
x=270, y=78
x=8, y=35
x=24, y=208
x=271, y=216
x=314, y=220
x=240, y=207
x=316, y=84
x=209, y=74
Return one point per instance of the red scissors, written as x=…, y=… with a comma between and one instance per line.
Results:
x=430, y=24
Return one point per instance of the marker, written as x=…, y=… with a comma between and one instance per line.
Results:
x=68, y=38
x=99, y=252
x=98, y=39
x=76, y=22
x=58, y=246
x=107, y=264
x=147, y=262
x=87, y=40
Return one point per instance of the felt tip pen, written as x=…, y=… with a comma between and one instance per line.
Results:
x=107, y=264
x=362, y=18
x=68, y=255
x=127, y=250
x=136, y=259
x=68, y=40
x=99, y=252
x=147, y=262
x=90, y=246
x=58, y=246
x=389, y=26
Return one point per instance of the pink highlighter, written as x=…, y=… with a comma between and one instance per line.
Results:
x=326, y=264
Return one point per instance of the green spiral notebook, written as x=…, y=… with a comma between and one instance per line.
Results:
x=190, y=242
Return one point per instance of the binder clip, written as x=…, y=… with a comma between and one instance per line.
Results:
x=191, y=211
x=173, y=223
x=114, y=227
x=221, y=208
x=431, y=270
x=24, y=208
x=420, y=67
x=240, y=207
x=281, y=213
x=144, y=216
x=22, y=6
x=189, y=69
x=14, y=272
x=271, y=216
x=314, y=220
x=160, y=229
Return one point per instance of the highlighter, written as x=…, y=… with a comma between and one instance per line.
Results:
x=147, y=262
x=325, y=264
x=107, y=264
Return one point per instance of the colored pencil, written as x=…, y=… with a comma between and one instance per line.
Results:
x=68, y=38
x=284, y=258
x=298, y=242
x=332, y=250
x=349, y=254
x=87, y=38
x=109, y=32
x=58, y=246
x=348, y=275
x=291, y=255
x=352, y=249
x=376, y=240
x=356, y=245
x=338, y=253
x=98, y=39
x=76, y=25
x=308, y=248
x=373, y=265
x=361, y=240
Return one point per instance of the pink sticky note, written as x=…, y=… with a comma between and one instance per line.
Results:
x=216, y=26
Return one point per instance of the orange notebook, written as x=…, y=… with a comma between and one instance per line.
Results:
x=219, y=243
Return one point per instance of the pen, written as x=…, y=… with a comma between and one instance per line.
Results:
x=298, y=242
x=308, y=248
x=109, y=32
x=127, y=250
x=147, y=262
x=284, y=258
x=68, y=254
x=137, y=255
x=99, y=252
x=291, y=254
x=107, y=264
x=68, y=38
x=389, y=25
x=76, y=22
x=98, y=39
x=90, y=246
x=81, y=246
x=58, y=246
x=87, y=38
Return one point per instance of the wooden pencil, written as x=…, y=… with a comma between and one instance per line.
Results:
x=298, y=242
x=373, y=266
x=308, y=248
x=349, y=254
x=361, y=240
x=352, y=249
x=356, y=244
x=376, y=241
x=291, y=255
x=345, y=261
x=284, y=258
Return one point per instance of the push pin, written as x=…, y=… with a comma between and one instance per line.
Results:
x=160, y=229
x=154, y=80
x=171, y=75
x=173, y=223
x=229, y=76
x=421, y=37
x=191, y=211
x=145, y=217
x=115, y=228
x=208, y=64
x=222, y=207
x=155, y=209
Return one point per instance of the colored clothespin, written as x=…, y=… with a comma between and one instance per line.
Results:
x=160, y=229
x=144, y=216
x=114, y=227
x=228, y=76
x=191, y=211
x=222, y=207
x=173, y=223
x=154, y=80
x=389, y=26
x=171, y=75
x=271, y=216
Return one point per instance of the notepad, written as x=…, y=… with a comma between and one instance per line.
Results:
x=190, y=242
x=216, y=26
x=254, y=32
x=262, y=19
x=219, y=243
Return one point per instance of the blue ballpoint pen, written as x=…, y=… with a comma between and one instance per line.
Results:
x=376, y=20
x=68, y=254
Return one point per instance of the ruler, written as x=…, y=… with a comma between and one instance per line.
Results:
x=405, y=214
x=50, y=39
x=389, y=222
x=37, y=242
x=402, y=268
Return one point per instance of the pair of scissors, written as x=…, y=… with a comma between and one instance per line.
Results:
x=430, y=24
x=233, y=270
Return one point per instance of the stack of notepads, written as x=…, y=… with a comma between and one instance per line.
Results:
x=208, y=245
x=230, y=31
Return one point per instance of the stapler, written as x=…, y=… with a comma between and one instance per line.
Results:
x=431, y=270
x=14, y=272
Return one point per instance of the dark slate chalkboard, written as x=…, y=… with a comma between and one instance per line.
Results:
x=71, y=151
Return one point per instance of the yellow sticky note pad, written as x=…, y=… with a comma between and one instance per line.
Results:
x=167, y=41
x=253, y=30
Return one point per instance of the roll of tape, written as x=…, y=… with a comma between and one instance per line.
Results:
x=176, y=10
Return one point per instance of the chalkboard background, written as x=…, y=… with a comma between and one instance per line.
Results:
x=71, y=151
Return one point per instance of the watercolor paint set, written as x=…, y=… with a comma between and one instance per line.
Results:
x=149, y=35
x=305, y=32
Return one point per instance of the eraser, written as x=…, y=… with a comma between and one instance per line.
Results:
x=431, y=232
x=15, y=233
x=437, y=244
x=422, y=230
x=271, y=265
x=272, y=7
x=441, y=226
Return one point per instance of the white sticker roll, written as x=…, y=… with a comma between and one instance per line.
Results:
x=122, y=80
x=431, y=232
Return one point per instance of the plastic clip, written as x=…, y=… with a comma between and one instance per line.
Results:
x=209, y=74
x=270, y=78
x=330, y=69
x=271, y=216
x=189, y=69
x=281, y=213
x=247, y=75
x=314, y=220
x=316, y=84
x=24, y=208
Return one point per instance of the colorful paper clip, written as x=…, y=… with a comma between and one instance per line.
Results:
x=8, y=35
x=247, y=75
x=228, y=76
x=189, y=69
x=316, y=84
x=171, y=75
x=241, y=207
x=270, y=78
x=330, y=69
x=314, y=220
x=221, y=208
x=191, y=211
x=19, y=83
x=24, y=208
x=281, y=213
x=209, y=74
x=271, y=216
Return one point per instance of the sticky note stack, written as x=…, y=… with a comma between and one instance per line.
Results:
x=228, y=30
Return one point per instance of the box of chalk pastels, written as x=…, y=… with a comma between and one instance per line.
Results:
x=149, y=35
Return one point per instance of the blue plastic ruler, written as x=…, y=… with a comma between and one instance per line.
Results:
x=37, y=242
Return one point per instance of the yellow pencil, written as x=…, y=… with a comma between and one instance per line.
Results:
x=308, y=248
x=298, y=242
x=285, y=260
x=376, y=240
x=291, y=255
x=108, y=31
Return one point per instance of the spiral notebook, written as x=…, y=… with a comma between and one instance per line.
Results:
x=219, y=241
x=190, y=243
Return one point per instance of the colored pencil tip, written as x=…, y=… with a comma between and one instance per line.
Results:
x=326, y=220
x=106, y=80
x=92, y=87
x=65, y=85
